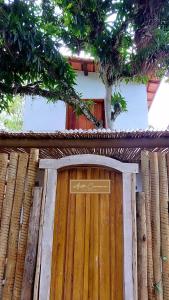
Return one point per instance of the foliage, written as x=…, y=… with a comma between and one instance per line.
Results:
x=30, y=61
x=129, y=39
x=13, y=120
x=118, y=104
x=132, y=43
x=89, y=104
x=118, y=99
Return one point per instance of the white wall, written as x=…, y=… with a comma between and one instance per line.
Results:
x=158, y=116
x=42, y=116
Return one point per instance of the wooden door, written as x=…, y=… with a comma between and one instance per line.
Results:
x=87, y=259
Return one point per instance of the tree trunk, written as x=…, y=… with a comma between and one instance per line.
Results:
x=109, y=122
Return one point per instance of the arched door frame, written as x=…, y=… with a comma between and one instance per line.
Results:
x=128, y=171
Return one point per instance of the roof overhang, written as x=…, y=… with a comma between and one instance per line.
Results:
x=125, y=146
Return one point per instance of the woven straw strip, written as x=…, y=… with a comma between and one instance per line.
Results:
x=3, y=171
x=14, y=227
x=164, y=224
x=6, y=213
x=145, y=173
x=30, y=182
x=155, y=208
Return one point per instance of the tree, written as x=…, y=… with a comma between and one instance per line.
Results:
x=129, y=40
x=13, y=119
x=30, y=61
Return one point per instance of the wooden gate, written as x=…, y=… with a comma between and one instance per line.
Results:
x=88, y=248
x=87, y=258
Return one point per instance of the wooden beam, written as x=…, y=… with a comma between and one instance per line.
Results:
x=144, y=142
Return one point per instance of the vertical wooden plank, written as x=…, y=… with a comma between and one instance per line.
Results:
x=112, y=237
x=163, y=190
x=39, y=252
x=155, y=205
x=118, y=238
x=3, y=171
x=134, y=226
x=31, y=252
x=87, y=242
x=70, y=242
x=59, y=238
x=94, y=242
x=95, y=202
x=104, y=250
x=47, y=236
x=6, y=213
x=91, y=251
x=14, y=226
x=127, y=233
x=142, y=247
x=145, y=174
x=79, y=243
x=27, y=202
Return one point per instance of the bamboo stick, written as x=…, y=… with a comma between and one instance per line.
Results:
x=141, y=247
x=31, y=252
x=145, y=173
x=14, y=226
x=27, y=202
x=155, y=205
x=6, y=213
x=3, y=171
x=164, y=224
x=38, y=260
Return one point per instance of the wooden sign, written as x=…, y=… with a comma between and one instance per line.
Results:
x=84, y=186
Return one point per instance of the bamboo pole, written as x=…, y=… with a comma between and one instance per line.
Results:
x=6, y=213
x=155, y=205
x=32, y=243
x=164, y=224
x=39, y=253
x=141, y=247
x=27, y=202
x=145, y=173
x=14, y=226
x=3, y=171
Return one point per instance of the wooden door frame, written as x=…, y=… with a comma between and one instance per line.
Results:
x=128, y=171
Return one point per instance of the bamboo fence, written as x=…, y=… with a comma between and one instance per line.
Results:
x=155, y=183
x=21, y=222
x=17, y=181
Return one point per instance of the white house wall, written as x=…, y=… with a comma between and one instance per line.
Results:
x=42, y=116
x=159, y=111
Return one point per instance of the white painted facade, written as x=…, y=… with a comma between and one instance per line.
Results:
x=158, y=116
x=42, y=116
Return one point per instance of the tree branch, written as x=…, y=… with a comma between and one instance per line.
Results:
x=72, y=98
